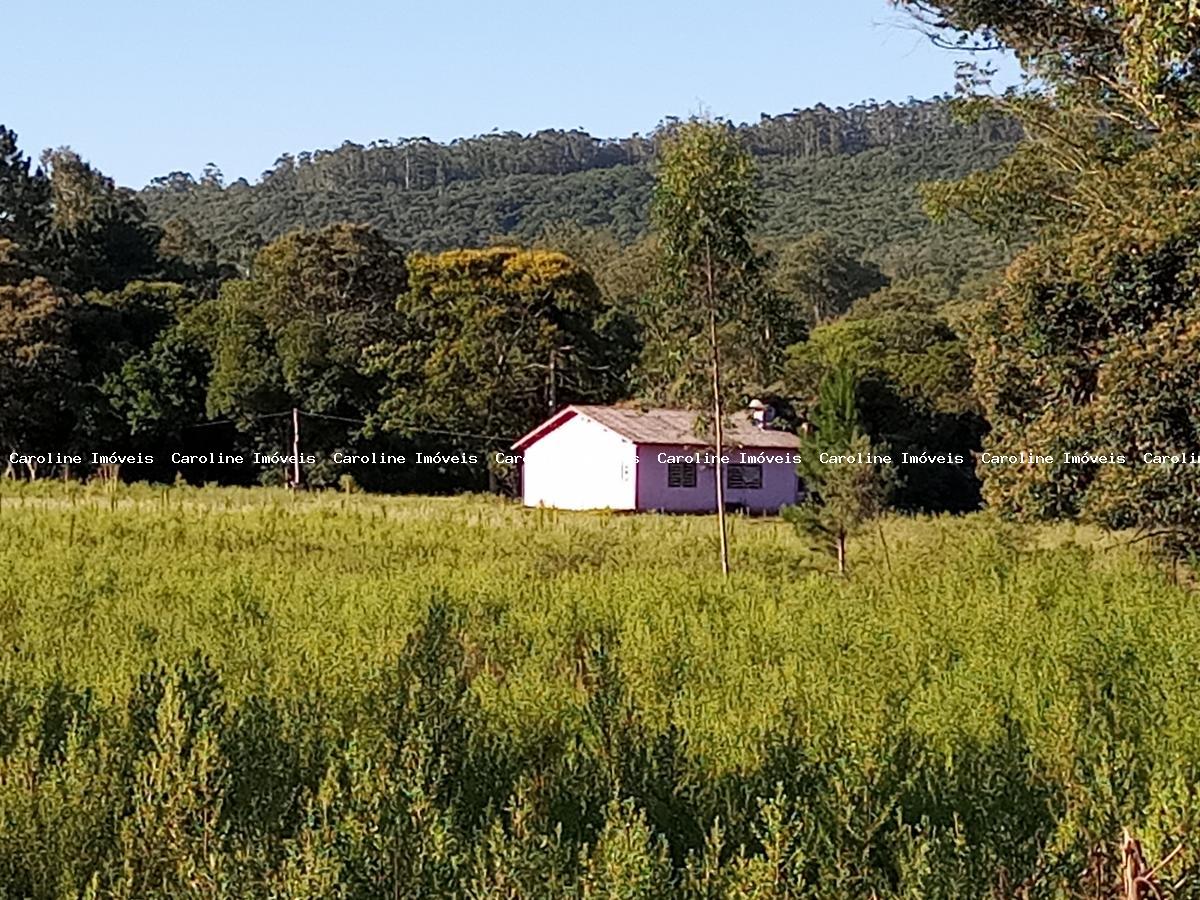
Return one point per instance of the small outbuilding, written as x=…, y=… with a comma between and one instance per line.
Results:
x=608, y=457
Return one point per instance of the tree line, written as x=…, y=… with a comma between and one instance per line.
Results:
x=125, y=336
x=120, y=330
x=852, y=173
x=418, y=163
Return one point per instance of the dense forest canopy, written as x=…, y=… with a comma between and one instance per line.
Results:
x=1085, y=351
x=852, y=173
x=196, y=315
x=996, y=271
x=416, y=164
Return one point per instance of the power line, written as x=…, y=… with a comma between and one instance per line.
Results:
x=238, y=421
x=415, y=429
x=486, y=437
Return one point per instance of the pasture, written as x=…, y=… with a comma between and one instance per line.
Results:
x=241, y=693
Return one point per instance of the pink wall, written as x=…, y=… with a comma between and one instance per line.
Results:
x=779, y=483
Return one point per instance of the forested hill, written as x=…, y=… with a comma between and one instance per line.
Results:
x=849, y=172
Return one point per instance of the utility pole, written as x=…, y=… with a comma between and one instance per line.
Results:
x=295, y=448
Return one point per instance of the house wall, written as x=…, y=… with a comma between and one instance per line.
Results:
x=779, y=483
x=580, y=465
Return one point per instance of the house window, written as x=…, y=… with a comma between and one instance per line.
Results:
x=681, y=475
x=747, y=477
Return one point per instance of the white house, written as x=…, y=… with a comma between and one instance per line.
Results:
x=606, y=457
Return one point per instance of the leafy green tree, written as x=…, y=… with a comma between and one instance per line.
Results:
x=107, y=331
x=24, y=211
x=38, y=366
x=842, y=496
x=190, y=259
x=1106, y=81
x=704, y=346
x=492, y=341
x=711, y=333
x=294, y=334
x=100, y=236
x=326, y=296
x=77, y=231
x=624, y=273
x=1086, y=346
x=819, y=279
x=914, y=389
x=1125, y=60
x=927, y=296
x=246, y=380
x=160, y=393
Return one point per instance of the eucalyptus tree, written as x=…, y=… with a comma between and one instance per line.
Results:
x=701, y=344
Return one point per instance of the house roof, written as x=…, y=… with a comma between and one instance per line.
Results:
x=664, y=426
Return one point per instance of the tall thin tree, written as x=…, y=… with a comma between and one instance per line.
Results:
x=705, y=205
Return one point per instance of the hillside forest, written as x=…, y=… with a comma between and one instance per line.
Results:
x=194, y=315
x=213, y=686
x=1011, y=272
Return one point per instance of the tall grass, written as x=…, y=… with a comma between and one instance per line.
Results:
x=240, y=693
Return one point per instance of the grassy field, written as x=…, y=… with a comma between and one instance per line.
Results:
x=241, y=693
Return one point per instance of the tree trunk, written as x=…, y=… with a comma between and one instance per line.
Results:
x=841, y=552
x=714, y=347
x=1137, y=878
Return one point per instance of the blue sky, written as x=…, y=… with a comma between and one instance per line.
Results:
x=142, y=88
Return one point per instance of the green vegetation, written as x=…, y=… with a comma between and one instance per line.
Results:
x=1092, y=349
x=914, y=392
x=499, y=339
x=1088, y=344
x=248, y=693
x=843, y=497
x=1084, y=345
x=229, y=693
x=852, y=173
x=707, y=335
x=294, y=334
x=154, y=332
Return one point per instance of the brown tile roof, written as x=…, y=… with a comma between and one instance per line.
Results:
x=666, y=426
